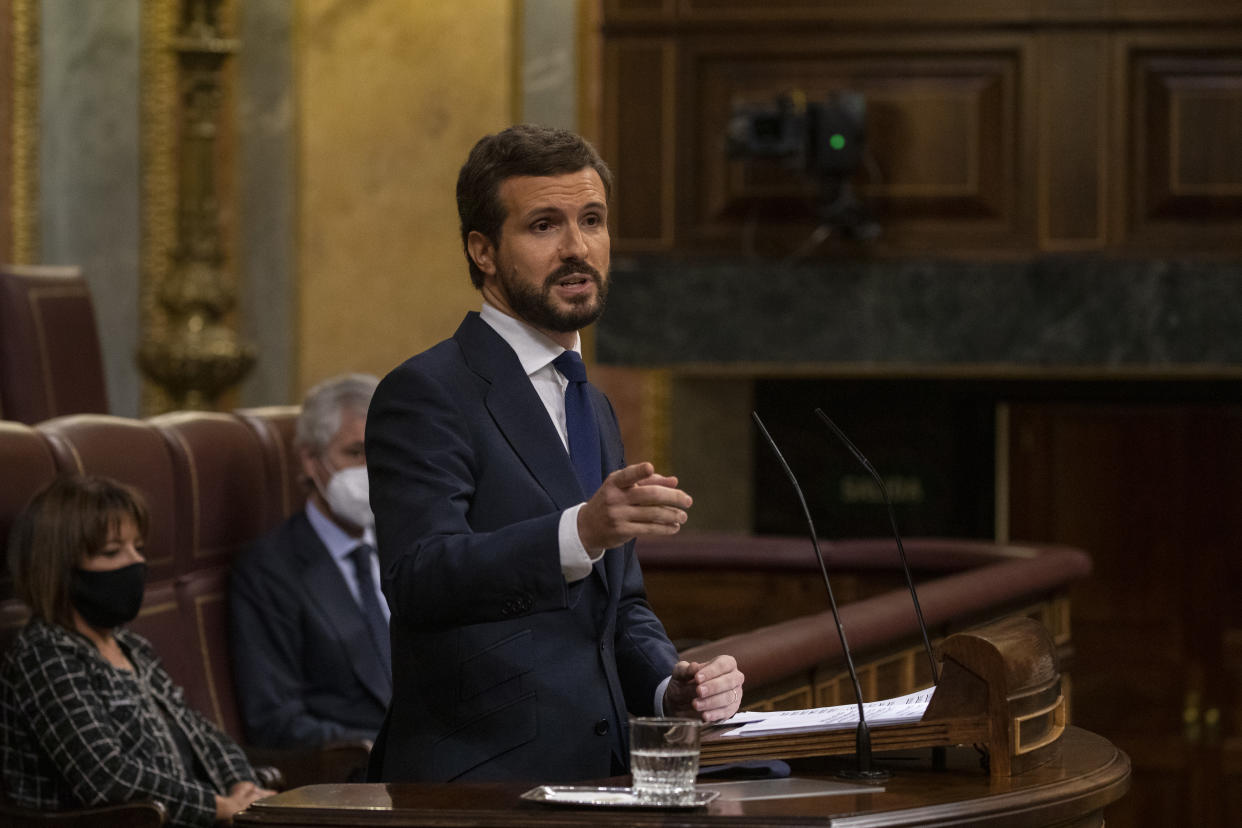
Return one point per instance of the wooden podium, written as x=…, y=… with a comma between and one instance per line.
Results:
x=999, y=688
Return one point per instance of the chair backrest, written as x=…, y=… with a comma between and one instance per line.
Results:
x=50, y=358
x=137, y=454
x=224, y=491
x=204, y=596
x=28, y=466
x=275, y=426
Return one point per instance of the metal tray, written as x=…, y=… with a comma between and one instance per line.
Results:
x=579, y=796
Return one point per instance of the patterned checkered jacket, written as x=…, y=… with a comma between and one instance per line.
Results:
x=76, y=731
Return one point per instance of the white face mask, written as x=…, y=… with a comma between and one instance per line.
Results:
x=349, y=496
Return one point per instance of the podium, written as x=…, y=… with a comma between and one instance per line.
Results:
x=999, y=688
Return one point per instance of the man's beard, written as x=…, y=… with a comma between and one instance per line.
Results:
x=536, y=306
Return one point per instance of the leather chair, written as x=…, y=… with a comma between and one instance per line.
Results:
x=234, y=481
x=28, y=466
x=137, y=454
x=223, y=485
x=223, y=494
x=50, y=358
x=275, y=426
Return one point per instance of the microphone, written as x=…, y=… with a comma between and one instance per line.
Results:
x=892, y=520
x=862, y=737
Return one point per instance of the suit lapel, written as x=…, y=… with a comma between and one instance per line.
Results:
x=521, y=417
x=518, y=412
x=328, y=589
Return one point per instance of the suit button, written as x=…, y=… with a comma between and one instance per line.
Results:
x=601, y=727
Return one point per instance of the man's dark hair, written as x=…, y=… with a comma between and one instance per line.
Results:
x=520, y=150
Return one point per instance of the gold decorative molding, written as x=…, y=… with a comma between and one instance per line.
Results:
x=195, y=356
x=24, y=184
x=159, y=181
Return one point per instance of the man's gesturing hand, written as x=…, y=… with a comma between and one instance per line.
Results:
x=632, y=501
x=711, y=692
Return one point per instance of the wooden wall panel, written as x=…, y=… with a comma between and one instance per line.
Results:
x=639, y=10
x=1073, y=140
x=909, y=10
x=1185, y=126
x=639, y=141
x=1150, y=491
x=1090, y=127
x=945, y=154
x=916, y=11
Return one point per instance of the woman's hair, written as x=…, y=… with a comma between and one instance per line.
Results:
x=62, y=526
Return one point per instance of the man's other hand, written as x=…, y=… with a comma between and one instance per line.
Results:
x=711, y=692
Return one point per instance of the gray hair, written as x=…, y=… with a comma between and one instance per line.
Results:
x=320, y=419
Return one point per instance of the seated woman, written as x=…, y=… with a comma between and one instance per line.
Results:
x=88, y=716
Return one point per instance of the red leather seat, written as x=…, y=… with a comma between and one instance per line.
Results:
x=275, y=426
x=50, y=359
x=137, y=454
x=223, y=485
x=28, y=466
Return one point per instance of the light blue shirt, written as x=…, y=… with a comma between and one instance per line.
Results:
x=340, y=545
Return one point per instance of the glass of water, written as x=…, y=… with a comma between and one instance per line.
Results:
x=664, y=759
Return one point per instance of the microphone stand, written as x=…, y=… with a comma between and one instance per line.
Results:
x=862, y=737
x=892, y=521
x=938, y=753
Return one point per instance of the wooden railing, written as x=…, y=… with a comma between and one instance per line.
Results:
x=798, y=662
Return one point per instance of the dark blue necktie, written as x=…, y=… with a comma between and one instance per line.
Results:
x=580, y=422
x=371, y=610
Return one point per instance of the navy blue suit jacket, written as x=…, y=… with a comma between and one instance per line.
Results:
x=495, y=674
x=305, y=669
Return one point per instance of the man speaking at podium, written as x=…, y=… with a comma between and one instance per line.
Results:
x=506, y=514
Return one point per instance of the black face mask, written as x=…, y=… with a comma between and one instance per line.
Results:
x=109, y=598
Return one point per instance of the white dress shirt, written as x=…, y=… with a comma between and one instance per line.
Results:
x=536, y=352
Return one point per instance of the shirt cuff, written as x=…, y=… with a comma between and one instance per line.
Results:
x=576, y=561
x=658, y=707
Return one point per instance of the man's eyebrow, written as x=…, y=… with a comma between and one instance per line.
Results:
x=553, y=210
x=543, y=210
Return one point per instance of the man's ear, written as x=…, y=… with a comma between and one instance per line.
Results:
x=482, y=252
x=308, y=464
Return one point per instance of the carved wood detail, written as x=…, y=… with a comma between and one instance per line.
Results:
x=1186, y=122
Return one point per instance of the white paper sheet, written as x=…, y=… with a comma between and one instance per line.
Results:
x=900, y=710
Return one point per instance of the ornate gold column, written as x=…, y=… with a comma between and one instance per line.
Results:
x=23, y=150
x=192, y=354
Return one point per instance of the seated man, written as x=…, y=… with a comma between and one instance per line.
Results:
x=309, y=623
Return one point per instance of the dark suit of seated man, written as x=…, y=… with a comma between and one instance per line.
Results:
x=309, y=625
x=505, y=511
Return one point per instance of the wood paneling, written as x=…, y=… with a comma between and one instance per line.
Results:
x=1090, y=126
x=1186, y=127
x=639, y=140
x=943, y=151
x=1072, y=139
x=1150, y=491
